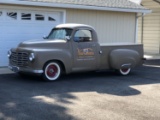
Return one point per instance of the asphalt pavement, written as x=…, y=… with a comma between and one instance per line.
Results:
x=83, y=96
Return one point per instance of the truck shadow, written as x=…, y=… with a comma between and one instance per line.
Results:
x=106, y=82
x=111, y=83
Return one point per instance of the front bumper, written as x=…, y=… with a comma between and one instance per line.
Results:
x=27, y=70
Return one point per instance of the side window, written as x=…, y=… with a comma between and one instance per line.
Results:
x=0, y=13
x=83, y=36
x=39, y=17
x=12, y=15
x=26, y=16
x=51, y=19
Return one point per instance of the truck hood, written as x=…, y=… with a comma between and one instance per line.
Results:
x=43, y=43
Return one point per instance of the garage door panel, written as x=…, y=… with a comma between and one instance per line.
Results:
x=28, y=29
x=6, y=44
x=3, y=56
x=3, y=51
x=27, y=33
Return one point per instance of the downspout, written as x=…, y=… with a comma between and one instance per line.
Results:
x=142, y=34
x=136, y=29
x=159, y=37
x=142, y=25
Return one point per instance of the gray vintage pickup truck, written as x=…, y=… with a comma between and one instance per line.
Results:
x=72, y=48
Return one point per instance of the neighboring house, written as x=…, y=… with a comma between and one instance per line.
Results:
x=149, y=27
x=114, y=20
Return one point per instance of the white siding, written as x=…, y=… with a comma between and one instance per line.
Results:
x=112, y=27
x=151, y=28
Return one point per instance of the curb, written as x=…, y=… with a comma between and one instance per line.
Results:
x=5, y=70
x=152, y=57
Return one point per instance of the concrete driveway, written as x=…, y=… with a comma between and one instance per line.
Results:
x=83, y=96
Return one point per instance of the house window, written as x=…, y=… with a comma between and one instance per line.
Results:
x=39, y=17
x=26, y=16
x=0, y=13
x=12, y=15
x=51, y=19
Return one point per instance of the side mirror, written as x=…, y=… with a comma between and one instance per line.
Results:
x=67, y=38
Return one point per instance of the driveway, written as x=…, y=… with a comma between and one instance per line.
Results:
x=83, y=96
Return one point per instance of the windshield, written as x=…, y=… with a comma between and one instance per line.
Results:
x=62, y=33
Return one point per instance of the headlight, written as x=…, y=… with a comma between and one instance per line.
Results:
x=9, y=53
x=31, y=57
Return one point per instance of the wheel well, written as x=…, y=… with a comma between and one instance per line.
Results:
x=58, y=61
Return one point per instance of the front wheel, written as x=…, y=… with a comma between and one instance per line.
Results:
x=52, y=71
x=124, y=71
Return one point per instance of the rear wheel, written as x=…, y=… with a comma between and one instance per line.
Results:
x=52, y=71
x=124, y=71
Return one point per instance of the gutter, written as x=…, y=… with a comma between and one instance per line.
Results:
x=57, y=5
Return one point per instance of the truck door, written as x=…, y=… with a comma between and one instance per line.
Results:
x=84, y=50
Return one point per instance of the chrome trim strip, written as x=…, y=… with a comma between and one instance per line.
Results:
x=26, y=69
x=126, y=65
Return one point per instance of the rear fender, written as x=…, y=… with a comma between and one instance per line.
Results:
x=124, y=58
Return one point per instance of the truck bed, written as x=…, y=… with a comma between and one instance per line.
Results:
x=106, y=50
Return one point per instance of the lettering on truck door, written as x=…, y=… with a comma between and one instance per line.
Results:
x=84, y=50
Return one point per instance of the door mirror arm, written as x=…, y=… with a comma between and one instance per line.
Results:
x=45, y=37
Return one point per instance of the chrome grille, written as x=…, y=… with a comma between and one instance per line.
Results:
x=19, y=59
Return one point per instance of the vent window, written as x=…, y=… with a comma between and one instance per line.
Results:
x=51, y=19
x=39, y=17
x=12, y=15
x=26, y=16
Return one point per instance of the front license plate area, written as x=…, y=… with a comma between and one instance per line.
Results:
x=15, y=69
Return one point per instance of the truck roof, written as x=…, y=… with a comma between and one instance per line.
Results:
x=72, y=25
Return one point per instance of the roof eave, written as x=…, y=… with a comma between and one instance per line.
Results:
x=57, y=5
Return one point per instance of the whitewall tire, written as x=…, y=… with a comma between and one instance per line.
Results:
x=52, y=71
x=124, y=71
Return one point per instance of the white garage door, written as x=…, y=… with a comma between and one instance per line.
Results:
x=19, y=25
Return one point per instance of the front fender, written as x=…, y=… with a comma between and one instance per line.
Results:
x=120, y=58
x=44, y=56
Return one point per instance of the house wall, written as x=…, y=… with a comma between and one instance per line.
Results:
x=149, y=28
x=112, y=27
